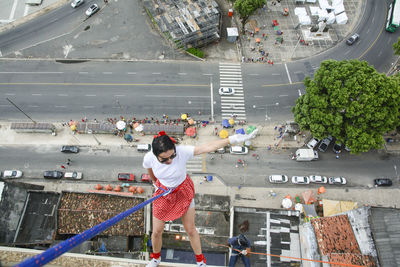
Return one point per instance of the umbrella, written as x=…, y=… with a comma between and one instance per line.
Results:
x=258, y=40
x=136, y=125
x=139, y=128
x=298, y=207
x=223, y=134
x=240, y=131
x=121, y=125
x=184, y=116
x=308, y=197
x=286, y=203
x=321, y=190
x=73, y=127
x=250, y=129
x=191, y=121
x=190, y=131
x=225, y=123
x=231, y=122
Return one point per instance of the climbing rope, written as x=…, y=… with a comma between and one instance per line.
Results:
x=57, y=250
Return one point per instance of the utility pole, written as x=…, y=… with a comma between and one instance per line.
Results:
x=212, y=100
x=20, y=110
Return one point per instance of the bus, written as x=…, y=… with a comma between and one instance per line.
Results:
x=393, y=18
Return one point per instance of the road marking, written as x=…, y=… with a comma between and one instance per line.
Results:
x=189, y=96
x=14, y=7
x=1, y=54
x=254, y=74
x=156, y=73
x=32, y=106
x=299, y=92
x=283, y=95
x=30, y=72
x=90, y=95
x=88, y=106
x=107, y=72
x=109, y=84
x=275, y=74
x=83, y=72
x=10, y=94
x=62, y=95
x=182, y=73
x=119, y=95
x=37, y=94
x=287, y=72
x=207, y=74
x=60, y=106
x=258, y=96
x=131, y=72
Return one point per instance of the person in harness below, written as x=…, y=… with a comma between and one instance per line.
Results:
x=166, y=165
x=240, y=247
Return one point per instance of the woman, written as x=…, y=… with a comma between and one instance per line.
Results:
x=166, y=165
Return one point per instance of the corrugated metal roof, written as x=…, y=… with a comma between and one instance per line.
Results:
x=385, y=226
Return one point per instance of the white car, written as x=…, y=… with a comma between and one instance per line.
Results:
x=318, y=179
x=12, y=174
x=337, y=180
x=92, y=9
x=77, y=3
x=73, y=175
x=239, y=150
x=278, y=179
x=312, y=143
x=226, y=91
x=300, y=180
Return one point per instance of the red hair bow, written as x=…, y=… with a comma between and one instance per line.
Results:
x=163, y=133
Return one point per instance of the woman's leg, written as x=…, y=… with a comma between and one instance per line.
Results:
x=156, y=236
x=190, y=228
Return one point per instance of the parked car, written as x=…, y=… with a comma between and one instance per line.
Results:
x=12, y=174
x=53, y=174
x=239, y=150
x=92, y=9
x=382, y=182
x=318, y=179
x=337, y=180
x=278, y=179
x=69, y=149
x=323, y=146
x=76, y=3
x=126, y=177
x=226, y=91
x=73, y=175
x=312, y=143
x=353, y=39
x=300, y=180
x=143, y=147
x=146, y=178
x=337, y=148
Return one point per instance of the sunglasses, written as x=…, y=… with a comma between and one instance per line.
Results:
x=163, y=160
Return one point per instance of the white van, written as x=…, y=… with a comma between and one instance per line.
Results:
x=143, y=147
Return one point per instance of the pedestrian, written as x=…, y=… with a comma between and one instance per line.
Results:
x=240, y=246
x=337, y=156
x=167, y=162
x=62, y=166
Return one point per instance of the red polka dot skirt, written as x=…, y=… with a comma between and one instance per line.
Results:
x=175, y=204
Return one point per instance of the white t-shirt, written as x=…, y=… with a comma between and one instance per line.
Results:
x=170, y=175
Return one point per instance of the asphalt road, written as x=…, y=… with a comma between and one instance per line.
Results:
x=104, y=164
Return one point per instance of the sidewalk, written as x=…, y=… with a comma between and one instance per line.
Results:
x=266, y=137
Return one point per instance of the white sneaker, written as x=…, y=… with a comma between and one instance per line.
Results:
x=201, y=264
x=154, y=262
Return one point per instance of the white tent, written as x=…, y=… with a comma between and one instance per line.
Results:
x=341, y=18
x=314, y=10
x=323, y=14
x=300, y=11
x=304, y=20
x=338, y=8
x=331, y=18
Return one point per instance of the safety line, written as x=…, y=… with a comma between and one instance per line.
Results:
x=57, y=250
x=280, y=256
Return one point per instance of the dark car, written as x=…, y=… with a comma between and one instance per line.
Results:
x=337, y=148
x=382, y=182
x=53, y=174
x=323, y=146
x=352, y=39
x=146, y=178
x=126, y=177
x=69, y=149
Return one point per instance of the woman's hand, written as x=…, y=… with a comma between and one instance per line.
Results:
x=240, y=138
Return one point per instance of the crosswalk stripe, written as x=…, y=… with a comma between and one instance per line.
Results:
x=229, y=63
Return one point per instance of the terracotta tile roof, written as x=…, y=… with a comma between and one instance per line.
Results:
x=78, y=212
x=335, y=235
x=361, y=260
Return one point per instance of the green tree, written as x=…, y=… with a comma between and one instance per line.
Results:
x=245, y=8
x=350, y=101
x=396, y=47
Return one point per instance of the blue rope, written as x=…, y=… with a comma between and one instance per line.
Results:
x=57, y=250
